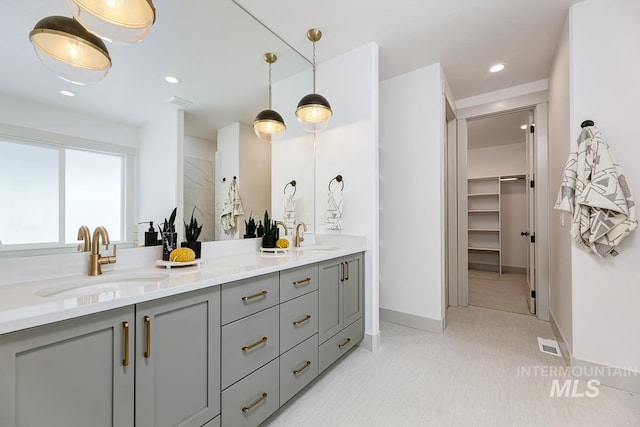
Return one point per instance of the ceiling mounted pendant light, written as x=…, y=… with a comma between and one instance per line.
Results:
x=269, y=124
x=119, y=21
x=313, y=110
x=67, y=49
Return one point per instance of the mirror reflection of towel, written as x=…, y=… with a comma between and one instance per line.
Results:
x=231, y=209
x=290, y=211
x=334, y=210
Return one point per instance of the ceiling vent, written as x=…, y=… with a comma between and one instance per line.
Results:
x=179, y=102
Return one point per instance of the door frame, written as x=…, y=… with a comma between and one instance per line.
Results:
x=538, y=102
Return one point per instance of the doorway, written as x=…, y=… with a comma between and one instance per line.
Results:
x=498, y=222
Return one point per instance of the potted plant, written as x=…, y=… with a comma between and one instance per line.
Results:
x=250, y=228
x=191, y=234
x=270, y=232
x=169, y=235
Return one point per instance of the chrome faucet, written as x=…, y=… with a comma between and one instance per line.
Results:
x=85, y=235
x=299, y=238
x=95, y=259
x=284, y=226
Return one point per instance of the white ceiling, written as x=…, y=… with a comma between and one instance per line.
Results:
x=221, y=60
x=497, y=130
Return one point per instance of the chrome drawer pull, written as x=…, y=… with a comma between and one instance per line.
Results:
x=302, y=282
x=304, y=368
x=344, y=343
x=258, y=295
x=255, y=344
x=254, y=404
x=301, y=321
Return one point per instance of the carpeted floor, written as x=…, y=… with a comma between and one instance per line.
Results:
x=506, y=292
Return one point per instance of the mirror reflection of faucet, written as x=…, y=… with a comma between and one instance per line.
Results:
x=299, y=237
x=95, y=259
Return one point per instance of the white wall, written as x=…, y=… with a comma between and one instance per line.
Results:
x=560, y=304
x=411, y=193
x=605, y=88
x=255, y=175
x=509, y=159
x=19, y=112
x=349, y=146
x=227, y=166
x=159, y=174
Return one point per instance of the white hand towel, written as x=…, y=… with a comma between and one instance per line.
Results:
x=334, y=210
x=231, y=209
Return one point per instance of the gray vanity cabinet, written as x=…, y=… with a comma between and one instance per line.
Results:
x=70, y=373
x=178, y=360
x=341, y=302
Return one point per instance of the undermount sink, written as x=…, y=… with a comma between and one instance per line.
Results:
x=102, y=284
x=316, y=248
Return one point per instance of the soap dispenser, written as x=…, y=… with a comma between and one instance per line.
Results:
x=151, y=236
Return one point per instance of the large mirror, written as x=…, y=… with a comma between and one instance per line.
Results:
x=215, y=49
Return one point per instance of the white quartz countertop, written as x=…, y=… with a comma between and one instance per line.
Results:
x=34, y=303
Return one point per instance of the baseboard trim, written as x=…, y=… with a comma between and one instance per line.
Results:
x=622, y=379
x=371, y=342
x=412, y=321
x=564, y=348
x=516, y=270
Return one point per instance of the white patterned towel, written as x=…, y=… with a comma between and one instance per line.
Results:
x=595, y=191
x=334, y=210
x=231, y=209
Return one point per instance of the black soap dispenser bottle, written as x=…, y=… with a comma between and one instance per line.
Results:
x=151, y=236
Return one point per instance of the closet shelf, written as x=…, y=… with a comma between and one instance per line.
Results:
x=483, y=194
x=483, y=210
x=483, y=226
x=485, y=229
x=477, y=248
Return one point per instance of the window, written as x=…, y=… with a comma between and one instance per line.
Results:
x=47, y=191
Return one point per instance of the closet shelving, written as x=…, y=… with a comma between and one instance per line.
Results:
x=483, y=216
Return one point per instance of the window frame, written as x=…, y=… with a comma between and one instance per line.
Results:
x=60, y=142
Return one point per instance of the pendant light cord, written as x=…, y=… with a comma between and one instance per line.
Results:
x=314, y=67
x=270, y=87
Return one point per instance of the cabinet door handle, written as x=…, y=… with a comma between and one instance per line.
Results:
x=302, y=282
x=342, y=271
x=304, y=368
x=301, y=321
x=254, y=404
x=346, y=264
x=344, y=343
x=255, y=344
x=254, y=296
x=125, y=327
x=147, y=324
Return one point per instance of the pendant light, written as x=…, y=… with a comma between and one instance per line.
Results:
x=67, y=49
x=269, y=124
x=313, y=110
x=119, y=21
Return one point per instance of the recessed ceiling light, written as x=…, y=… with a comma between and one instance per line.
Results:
x=497, y=67
x=171, y=79
x=523, y=127
x=67, y=93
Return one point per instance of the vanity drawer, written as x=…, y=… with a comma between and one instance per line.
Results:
x=249, y=343
x=250, y=401
x=298, y=320
x=298, y=281
x=298, y=367
x=339, y=344
x=245, y=297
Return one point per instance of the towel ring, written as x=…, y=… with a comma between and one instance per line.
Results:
x=293, y=184
x=338, y=179
x=587, y=123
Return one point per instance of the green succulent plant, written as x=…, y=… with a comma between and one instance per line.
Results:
x=191, y=230
x=270, y=228
x=169, y=226
x=250, y=226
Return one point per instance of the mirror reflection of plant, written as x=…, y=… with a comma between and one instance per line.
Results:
x=169, y=226
x=191, y=230
x=250, y=226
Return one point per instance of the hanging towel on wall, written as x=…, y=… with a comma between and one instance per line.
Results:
x=334, y=210
x=595, y=191
x=231, y=209
x=290, y=211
